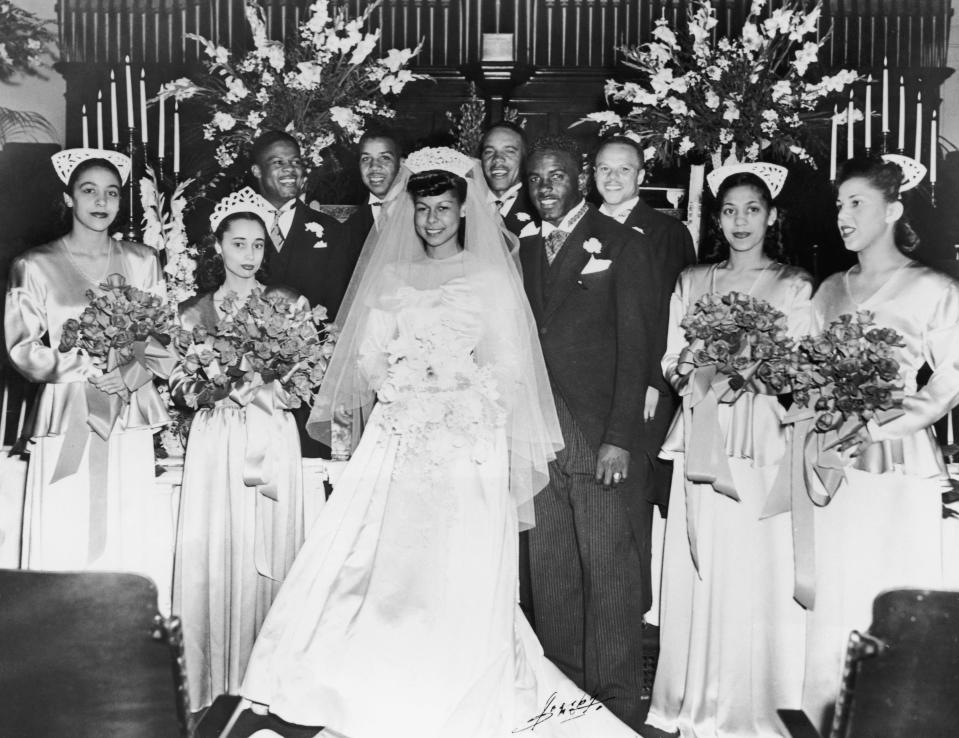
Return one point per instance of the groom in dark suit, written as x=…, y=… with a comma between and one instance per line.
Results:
x=592, y=286
x=502, y=153
x=309, y=251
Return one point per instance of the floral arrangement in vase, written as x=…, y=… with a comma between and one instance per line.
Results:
x=322, y=87
x=23, y=38
x=754, y=95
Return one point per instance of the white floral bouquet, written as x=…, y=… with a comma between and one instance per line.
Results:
x=321, y=88
x=163, y=230
x=754, y=95
x=436, y=397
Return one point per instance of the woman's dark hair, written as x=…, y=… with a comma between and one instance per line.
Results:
x=210, y=272
x=773, y=244
x=886, y=177
x=435, y=182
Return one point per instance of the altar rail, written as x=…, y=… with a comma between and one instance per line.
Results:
x=545, y=33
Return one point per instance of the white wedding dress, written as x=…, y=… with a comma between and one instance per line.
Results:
x=400, y=615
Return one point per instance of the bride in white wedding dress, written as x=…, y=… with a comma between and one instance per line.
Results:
x=400, y=614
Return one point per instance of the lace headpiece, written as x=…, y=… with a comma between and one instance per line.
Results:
x=64, y=162
x=913, y=172
x=244, y=201
x=773, y=175
x=441, y=157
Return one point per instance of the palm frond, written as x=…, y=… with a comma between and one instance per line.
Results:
x=18, y=122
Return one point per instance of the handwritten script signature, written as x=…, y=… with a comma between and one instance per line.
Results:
x=563, y=711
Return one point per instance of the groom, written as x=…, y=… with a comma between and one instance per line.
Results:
x=592, y=287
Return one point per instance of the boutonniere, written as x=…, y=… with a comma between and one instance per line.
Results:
x=523, y=217
x=529, y=230
x=317, y=229
x=594, y=247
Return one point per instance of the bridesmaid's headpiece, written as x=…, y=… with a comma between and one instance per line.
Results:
x=913, y=172
x=442, y=158
x=244, y=201
x=64, y=162
x=773, y=175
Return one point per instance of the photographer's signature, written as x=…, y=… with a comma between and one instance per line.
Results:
x=563, y=711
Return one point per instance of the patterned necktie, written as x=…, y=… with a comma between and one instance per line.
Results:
x=554, y=242
x=498, y=204
x=276, y=233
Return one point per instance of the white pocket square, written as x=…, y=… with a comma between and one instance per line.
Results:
x=595, y=265
x=531, y=229
x=320, y=245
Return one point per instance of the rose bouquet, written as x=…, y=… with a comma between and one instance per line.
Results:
x=123, y=327
x=741, y=341
x=270, y=338
x=848, y=374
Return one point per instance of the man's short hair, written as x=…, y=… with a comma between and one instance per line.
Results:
x=381, y=133
x=619, y=138
x=509, y=126
x=266, y=139
x=558, y=143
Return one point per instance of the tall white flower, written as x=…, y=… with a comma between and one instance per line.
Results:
x=397, y=58
x=224, y=121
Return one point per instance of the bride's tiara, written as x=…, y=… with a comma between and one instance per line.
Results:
x=773, y=175
x=64, y=162
x=913, y=172
x=244, y=201
x=440, y=157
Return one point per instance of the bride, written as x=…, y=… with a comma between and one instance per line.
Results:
x=400, y=615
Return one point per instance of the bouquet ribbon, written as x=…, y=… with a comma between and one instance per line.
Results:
x=810, y=475
x=261, y=401
x=706, y=460
x=91, y=424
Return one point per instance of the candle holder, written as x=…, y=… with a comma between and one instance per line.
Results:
x=932, y=193
x=885, y=143
x=132, y=232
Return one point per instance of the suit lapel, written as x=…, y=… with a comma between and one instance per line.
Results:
x=568, y=264
x=531, y=257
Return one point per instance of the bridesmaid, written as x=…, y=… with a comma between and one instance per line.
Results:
x=235, y=541
x=730, y=633
x=90, y=503
x=883, y=528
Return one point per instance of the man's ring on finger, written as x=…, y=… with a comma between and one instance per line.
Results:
x=617, y=476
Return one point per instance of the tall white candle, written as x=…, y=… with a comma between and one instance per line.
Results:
x=83, y=125
x=933, y=146
x=161, y=131
x=918, y=156
x=176, y=137
x=832, y=146
x=99, y=119
x=850, y=131
x=131, y=123
x=869, y=113
x=144, y=128
x=115, y=128
x=885, y=95
x=902, y=114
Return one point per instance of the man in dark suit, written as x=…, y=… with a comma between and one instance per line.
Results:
x=380, y=157
x=502, y=152
x=309, y=251
x=618, y=170
x=592, y=286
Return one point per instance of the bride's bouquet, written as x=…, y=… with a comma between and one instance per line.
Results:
x=847, y=375
x=737, y=343
x=269, y=338
x=123, y=328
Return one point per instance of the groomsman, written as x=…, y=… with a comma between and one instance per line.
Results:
x=592, y=284
x=618, y=171
x=502, y=152
x=309, y=251
x=380, y=157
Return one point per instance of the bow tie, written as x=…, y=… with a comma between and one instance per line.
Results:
x=376, y=204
